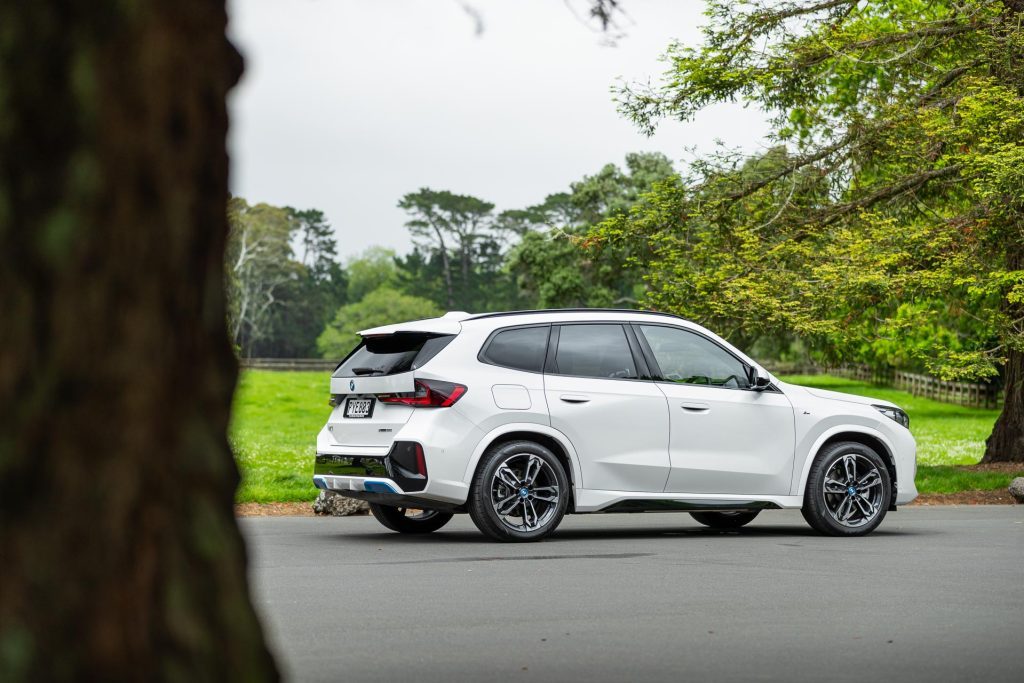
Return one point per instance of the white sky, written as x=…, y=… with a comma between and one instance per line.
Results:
x=346, y=105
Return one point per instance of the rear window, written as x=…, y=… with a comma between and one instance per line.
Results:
x=594, y=351
x=392, y=355
x=520, y=348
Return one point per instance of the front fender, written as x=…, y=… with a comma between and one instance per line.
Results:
x=800, y=482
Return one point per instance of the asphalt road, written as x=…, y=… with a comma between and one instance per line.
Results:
x=936, y=594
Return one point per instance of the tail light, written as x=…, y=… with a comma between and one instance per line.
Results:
x=429, y=393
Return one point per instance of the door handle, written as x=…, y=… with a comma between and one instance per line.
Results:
x=696, y=407
x=574, y=398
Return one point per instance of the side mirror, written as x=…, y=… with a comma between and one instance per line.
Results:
x=759, y=381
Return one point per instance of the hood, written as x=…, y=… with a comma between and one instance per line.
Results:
x=848, y=398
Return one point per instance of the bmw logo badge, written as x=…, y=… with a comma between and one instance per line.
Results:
x=351, y=385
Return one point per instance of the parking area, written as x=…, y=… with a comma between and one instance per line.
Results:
x=937, y=593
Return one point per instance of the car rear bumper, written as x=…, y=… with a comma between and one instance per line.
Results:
x=394, y=478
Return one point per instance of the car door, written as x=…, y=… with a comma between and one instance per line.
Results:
x=724, y=437
x=600, y=396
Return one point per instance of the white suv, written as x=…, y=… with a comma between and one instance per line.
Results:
x=518, y=418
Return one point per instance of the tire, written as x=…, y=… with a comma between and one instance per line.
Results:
x=397, y=519
x=848, y=491
x=725, y=520
x=504, y=473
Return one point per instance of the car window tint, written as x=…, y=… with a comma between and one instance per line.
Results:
x=392, y=355
x=689, y=358
x=521, y=349
x=594, y=351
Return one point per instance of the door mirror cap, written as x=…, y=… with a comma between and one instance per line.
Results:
x=759, y=380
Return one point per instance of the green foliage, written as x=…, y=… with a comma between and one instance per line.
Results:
x=888, y=226
x=380, y=307
x=550, y=266
x=278, y=303
x=376, y=267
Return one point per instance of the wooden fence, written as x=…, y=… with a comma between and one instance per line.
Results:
x=972, y=394
x=312, y=364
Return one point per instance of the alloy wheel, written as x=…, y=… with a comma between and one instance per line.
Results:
x=524, y=492
x=853, y=490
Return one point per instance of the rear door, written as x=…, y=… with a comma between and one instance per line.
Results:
x=599, y=396
x=384, y=364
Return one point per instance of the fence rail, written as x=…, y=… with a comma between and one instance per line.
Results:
x=972, y=394
x=311, y=364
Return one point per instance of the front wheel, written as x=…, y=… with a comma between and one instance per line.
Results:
x=409, y=520
x=725, y=520
x=848, y=490
x=520, y=492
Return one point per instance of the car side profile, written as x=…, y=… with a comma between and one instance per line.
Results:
x=520, y=418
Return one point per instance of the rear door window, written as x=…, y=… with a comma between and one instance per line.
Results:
x=392, y=355
x=594, y=351
x=520, y=348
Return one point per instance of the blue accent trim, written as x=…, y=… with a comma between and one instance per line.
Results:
x=319, y=483
x=378, y=487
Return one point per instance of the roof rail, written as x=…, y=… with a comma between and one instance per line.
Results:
x=502, y=314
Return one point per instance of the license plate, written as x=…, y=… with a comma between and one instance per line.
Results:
x=359, y=407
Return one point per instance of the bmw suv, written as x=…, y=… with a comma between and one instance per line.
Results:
x=520, y=418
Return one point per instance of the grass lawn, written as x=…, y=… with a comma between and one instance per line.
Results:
x=278, y=414
x=273, y=431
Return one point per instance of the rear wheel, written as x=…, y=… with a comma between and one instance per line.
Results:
x=725, y=520
x=409, y=520
x=848, y=490
x=520, y=492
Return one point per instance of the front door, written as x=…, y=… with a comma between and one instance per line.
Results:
x=725, y=438
x=617, y=421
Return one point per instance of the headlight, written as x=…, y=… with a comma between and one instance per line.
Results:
x=894, y=414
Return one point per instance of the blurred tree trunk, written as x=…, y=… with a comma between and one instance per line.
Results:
x=121, y=558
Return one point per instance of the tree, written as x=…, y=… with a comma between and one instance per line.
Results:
x=376, y=267
x=443, y=222
x=380, y=307
x=912, y=115
x=549, y=264
x=278, y=304
x=122, y=559
x=260, y=267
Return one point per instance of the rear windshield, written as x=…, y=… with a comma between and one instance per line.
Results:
x=392, y=355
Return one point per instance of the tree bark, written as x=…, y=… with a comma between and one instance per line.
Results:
x=447, y=268
x=1006, y=443
x=121, y=557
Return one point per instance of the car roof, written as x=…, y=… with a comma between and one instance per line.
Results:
x=452, y=322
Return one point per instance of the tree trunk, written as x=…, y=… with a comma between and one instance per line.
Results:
x=1006, y=443
x=121, y=557
x=446, y=265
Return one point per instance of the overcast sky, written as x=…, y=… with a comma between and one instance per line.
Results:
x=346, y=105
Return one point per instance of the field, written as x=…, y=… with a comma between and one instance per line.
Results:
x=278, y=414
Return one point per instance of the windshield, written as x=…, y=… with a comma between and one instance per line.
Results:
x=391, y=355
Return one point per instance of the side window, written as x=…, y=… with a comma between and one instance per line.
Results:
x=521, y=348
x=689, y=358
x=594, y=351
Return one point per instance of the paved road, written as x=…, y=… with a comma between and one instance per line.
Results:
x=934, y=594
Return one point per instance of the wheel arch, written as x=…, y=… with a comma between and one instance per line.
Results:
x=550, y=438
x=862, y=435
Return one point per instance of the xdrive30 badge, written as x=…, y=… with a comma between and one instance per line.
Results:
x=351, y=385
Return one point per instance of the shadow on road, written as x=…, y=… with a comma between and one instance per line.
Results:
x=568, y=535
